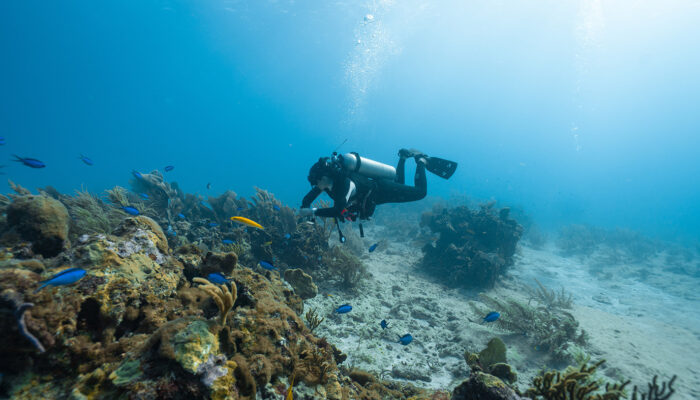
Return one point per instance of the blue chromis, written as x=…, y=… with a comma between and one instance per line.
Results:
x=181, y=215
x=86, y=160
x=30, y=162
x=227, y=241
x=492, y=316
x=373, y=247
x=267, y=265
x=276, y=207
x=65, y=277
x=136, y=174
x=213, y=224
x=287, y=236
x=168, y=168
x=344, y=309
x=384, y=324
x=144, y=196
x=217, y=278
x=405, y=339
x=131, y=210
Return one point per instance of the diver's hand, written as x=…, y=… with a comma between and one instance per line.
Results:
x=307, y=212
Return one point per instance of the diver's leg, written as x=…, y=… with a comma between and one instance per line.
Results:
x=393, y=192
x=401, y=171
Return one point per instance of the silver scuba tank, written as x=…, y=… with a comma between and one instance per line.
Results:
x=352, y=162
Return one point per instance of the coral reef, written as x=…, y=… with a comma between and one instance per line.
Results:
x=223, y=298
x=474, y=247
x=492, y=360
x=42, y=221
x=574, y=384
x=302, y=283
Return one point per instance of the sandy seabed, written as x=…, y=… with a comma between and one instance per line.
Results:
x=641, y=327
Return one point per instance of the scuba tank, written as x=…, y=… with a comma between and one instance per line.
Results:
x=352, y=162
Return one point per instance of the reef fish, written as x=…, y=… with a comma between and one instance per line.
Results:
x=86, y=160
x=290, y=395
x=267, y=265
x=287, y=235
x=209, y=185
x=344, y=309
x=213, y=224
x=65, y=277
x=384, y=324
x=276, y=207
x=144, y=196
x=170, y=231
x=2, y=141
x=405, y=339
x=169, y=168
x=373, y=247
x=30, y=162
x=136, y=174
x=131, y=210
x=217, y=278
x=227, y=241
x=492, y=316
x=246, y=221
x=181, y=215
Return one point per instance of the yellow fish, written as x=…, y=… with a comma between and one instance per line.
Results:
x=246, y=221
x=267, y=243
x=290, y=395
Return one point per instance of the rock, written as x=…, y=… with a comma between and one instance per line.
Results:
x=42, y=221
x=410, y=374
x=187, y=341
x=503, y=371
x=131, y=226
x=219, y=262
x=302, y=283
x=483, y=387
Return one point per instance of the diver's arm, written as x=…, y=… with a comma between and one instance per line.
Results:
x=340, y=195
x=310, y=197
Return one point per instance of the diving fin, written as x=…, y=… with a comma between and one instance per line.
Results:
x=441, y=167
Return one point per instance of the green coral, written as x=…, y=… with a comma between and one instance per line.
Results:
x=194, y=344
x=129, y=371
x=574, y=384
x=495, y=352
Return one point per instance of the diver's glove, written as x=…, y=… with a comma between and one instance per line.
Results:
x=307, y=212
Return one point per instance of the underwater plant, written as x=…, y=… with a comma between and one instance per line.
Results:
x=549, y=330
x=90, y=215
x=312, y=319
x=550, y=298
x=573, y=384
x=223, y=298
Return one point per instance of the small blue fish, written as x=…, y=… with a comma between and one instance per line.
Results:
x=344, y=309
x=131, y=210
x=181, y=215
x=373, y=247
x=287, y=236
x=227, y=241
x=65, y=277
x=86, y=160
x=2, y=141
x=239, y=209
x=136, y=174
x=213, y=224
x=267, y=265
x=205, y=204
x=405, y=339
x=492, y=316
x=276, y=207
x=169, y=168
x=384, y=324
x=144, y=196
x=170, y=231
x=30, y=162
x=217, y=278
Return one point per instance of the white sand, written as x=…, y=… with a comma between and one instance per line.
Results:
x=642, y=330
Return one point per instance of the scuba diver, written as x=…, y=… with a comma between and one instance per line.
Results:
x=357, y=184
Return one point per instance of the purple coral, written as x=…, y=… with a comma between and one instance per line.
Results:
x=19, y=314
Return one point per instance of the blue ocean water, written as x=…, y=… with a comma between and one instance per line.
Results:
x=577, y=112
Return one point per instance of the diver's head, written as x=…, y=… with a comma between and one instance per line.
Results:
x=322, y=173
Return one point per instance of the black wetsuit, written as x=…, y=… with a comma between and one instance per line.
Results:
x=355, y=196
